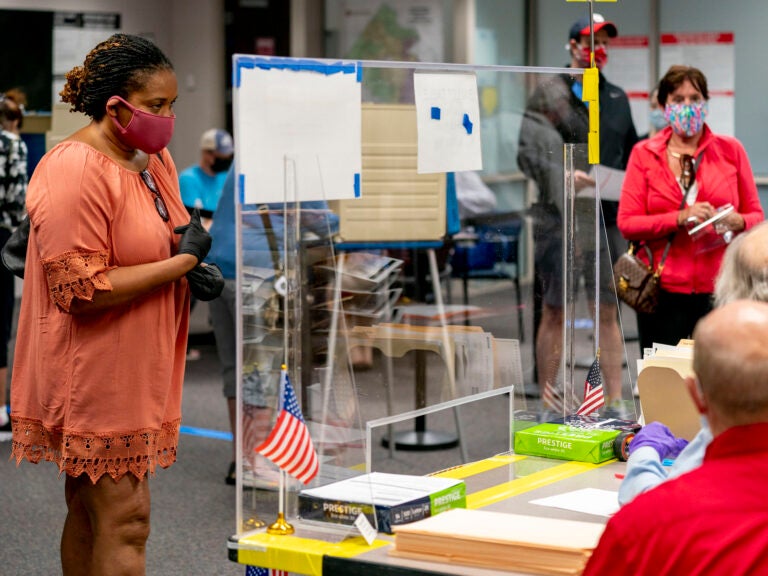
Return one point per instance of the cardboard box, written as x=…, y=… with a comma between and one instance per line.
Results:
x=579, y=438
x=394, y=499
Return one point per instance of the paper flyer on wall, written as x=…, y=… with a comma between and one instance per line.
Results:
x=448, y=122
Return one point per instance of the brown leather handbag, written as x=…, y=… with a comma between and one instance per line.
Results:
x=636, y=282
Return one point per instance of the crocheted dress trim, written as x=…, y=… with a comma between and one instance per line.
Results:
x=76, y=274
x=96, y=454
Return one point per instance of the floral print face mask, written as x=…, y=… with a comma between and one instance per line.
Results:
x=686, y=119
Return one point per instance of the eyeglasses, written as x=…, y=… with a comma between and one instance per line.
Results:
x=687, y=170
x=159, y=204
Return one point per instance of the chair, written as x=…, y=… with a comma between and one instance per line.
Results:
x=487, y=248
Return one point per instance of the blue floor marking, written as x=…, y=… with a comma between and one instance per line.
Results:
x=206, y=433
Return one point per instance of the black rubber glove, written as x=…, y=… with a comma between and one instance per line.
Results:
x=205, y=281
x=195, y=239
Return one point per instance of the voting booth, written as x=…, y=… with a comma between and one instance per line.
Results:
x=338, y=164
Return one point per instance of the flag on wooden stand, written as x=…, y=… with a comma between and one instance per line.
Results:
x=289, y=445
x=594, y=397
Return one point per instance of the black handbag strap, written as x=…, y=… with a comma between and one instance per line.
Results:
x=660, y=267
x=670, y=238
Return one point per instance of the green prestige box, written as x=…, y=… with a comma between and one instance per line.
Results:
x=567, y=442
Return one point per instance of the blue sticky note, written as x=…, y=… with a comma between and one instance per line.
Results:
x=434, y=113
x=467, y=123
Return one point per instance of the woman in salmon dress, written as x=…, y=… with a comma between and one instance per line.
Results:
x=101, y=344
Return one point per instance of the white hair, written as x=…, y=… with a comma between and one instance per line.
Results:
x=744, y=271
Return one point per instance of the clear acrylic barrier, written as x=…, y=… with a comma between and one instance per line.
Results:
x=495, y=407
x=408, y=331
x=590, y=305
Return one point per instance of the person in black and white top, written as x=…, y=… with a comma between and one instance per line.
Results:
x=13, y=189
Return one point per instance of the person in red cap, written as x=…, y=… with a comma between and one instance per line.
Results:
x=555, y=115
x=579, y=41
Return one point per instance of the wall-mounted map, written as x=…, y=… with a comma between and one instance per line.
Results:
x=397, y=30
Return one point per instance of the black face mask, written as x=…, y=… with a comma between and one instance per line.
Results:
x=221, y=164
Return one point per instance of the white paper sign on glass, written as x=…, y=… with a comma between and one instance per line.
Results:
x=303, y=114
x=448, y=122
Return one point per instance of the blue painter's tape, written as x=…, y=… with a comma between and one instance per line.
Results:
x=434, y=113
x=467, y=123
x=359, y=72
x=241, y=187
x=206, y=433
x=298, y=64
x=357, y=185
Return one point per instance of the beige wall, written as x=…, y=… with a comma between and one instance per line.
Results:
x=197, y=51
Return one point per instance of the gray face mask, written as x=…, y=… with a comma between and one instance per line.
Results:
x=656, y=119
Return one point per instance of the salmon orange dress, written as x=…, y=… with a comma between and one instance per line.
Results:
x=98, y=393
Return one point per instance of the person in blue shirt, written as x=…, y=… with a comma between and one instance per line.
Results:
x=201, y=183
x=743, y=276
x=262, y=239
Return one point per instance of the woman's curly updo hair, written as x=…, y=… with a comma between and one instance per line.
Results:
x=118, y=66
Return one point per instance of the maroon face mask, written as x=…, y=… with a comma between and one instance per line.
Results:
x=148, y=132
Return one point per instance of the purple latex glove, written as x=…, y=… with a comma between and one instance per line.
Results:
x=657, y=436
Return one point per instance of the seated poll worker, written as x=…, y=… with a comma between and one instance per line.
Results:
x=743, y=276
x=713, y=519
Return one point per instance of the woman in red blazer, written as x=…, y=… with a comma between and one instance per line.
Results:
x=674, y=181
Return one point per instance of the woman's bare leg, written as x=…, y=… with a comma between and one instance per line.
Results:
x=117, y=514
x=77, y=537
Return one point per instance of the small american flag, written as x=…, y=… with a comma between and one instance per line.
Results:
x=289, y=445
x=259, y=571
x=593, y=391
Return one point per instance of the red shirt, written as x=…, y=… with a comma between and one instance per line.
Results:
x=713, y=520
x=650, y=202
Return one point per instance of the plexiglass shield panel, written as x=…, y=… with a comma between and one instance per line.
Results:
x=416, y=245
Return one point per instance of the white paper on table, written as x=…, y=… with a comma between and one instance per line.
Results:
x=587, y=500
x=447, y=122
x=305, y=112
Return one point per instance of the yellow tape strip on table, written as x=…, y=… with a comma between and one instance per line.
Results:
x=295, y=554
x=531, y=482
x=466, y=470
